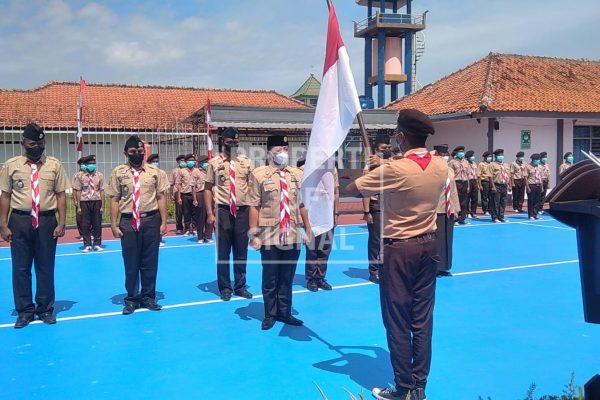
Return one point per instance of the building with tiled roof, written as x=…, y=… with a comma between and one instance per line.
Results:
x=308, y=93
x=501, y=100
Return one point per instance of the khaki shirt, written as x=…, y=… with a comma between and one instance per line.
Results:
x=15, y=179
x=200, y=180
x=518, y=170
x=218, y=175
x=533, y=174
x=472, y=172
x=173, y=178
x=483, y=171
x=460, y=168
x=152, y=182
x=564, y=166
x=265, y=189
x=186, y=180
x=545, y=168
x=409, y=194
x=500, y=173
x=81, y=183
x=454, y=201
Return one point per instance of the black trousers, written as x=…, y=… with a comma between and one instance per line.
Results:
x=203, y=228
x=533, y=200
x=445, y=239
x=463, y=198
x=518, y=194
x=374, y=244
x=279, y=268
x=91, y=222
x=78, y=222
x=178, y=215
x=407, y=292
x=317, y=256
x=545, y=186
x=189, y=211
x=38, y=247
x=485, y=196
x=498, y=203
x=473, y=197
x=232, y=235
x=140, y=256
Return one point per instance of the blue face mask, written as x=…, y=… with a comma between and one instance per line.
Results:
x=182, y=164
x=544, y=160
x=90, y=168
x=460, y=155
x=536, y=162
x=520, y=159
x=191, y=164
x=83, y=168
x=471, y=159
x=488, y=159
x=156, y=164
x=570, y=159
x=500, y=158
x=205, y=166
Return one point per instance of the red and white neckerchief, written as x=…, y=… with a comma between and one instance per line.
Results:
x=232, y=193
x=504, y=171
x=35, y=197
x=536, y=175
x=135, y=200
x=284, y=209
x=473, y=170
x=461, y=170
x=447, y=193
x=91, y=186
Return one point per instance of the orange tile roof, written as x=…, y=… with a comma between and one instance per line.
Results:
x=114, y=106
x=506, y=82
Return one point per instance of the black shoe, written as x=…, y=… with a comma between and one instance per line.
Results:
x=290, y=320
x=502, y=220
x=312, y=285
x=225, y=296
x=391, y=394
x=444, y=273
x=374, y=278
x=243, y=293
x=418, y=394
x=267, y=323
x=322, y=284
x=151, y=305
x=47, y=318
x=23, y=321
x=179, y=232
x=129, y=308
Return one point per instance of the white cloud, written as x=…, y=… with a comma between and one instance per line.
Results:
x=97, y=14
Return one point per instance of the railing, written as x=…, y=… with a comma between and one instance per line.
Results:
x=385, y=18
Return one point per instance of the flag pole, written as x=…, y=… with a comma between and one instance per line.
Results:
x=363, y=133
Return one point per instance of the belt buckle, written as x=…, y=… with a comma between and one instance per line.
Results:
x=143, y=215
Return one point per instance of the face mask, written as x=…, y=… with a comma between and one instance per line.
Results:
x=447, y=158
x=90, y=168
x=136, y=159
x=231, y=150
x=536, y=162
x=520, y=159
x=488, y=159
x=387, y=154
x=191, y=164
x=460, y=155
x=281, y=159
x=500, y=158
x=205, y=166
x=155, y=164
x=34, y=153
x=471, y=159
x=182, y=164
x=544, y=160
x=570, y=159
x=82, y=167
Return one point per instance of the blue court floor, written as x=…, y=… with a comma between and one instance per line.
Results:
x=510, y=316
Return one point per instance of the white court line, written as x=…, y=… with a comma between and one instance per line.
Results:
x=352, y=285
x=545, y=226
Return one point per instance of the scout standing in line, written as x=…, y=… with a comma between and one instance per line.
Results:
x=533, y=184
x=545, y=168
x=228, y=174
x=410, y=192
x=181, y=164
x=447, y=211
x=499, y=181
x=154, y=159
x=202, y=227
x=483, y=177
x=276, y=216
x=568, y=163
x=33, y=186
x=185, y=186
x=74, y=198
x=461, y=176
x=473, y=195
x=89, y=186
x=517, y=182
x=138, y=191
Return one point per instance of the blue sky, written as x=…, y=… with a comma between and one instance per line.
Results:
x=262, y=44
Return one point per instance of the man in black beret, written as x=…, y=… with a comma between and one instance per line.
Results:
x=74, y=197
x=546, y=173
x=88, y=188
x=460, y=167
x=33, y=186
x=499, y=181
x=483, y=179
x=181, y=164
x=410, y=190
x=517, y=181
x=473, y=195
x=533, y=184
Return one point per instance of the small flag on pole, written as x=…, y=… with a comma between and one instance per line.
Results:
x=209, y=143
x=79, y=141
x=337, y=107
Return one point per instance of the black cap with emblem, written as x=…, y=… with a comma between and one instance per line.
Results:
x=180, y=158
x=80, y=161
x=231, y=133
x=190, y=157
x=458, y=148
x=276, y=140
x=535, y=156
x=89, y=159
x=469, y=153
x=486, y=153
x=33, y=132
x=135, y=142
x=520, y=154
x=441, y=149
x=415, y=123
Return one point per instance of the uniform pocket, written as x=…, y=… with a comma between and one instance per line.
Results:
x=267, y=221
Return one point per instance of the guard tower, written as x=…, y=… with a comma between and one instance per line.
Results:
x=386, y=32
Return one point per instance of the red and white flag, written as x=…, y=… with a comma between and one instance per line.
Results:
x=209, y=143
x=337, y=107
x=79, y=141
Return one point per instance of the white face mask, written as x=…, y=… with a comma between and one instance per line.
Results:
x=447, y=158
x=281, y=159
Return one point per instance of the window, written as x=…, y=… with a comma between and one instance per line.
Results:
x=585, y=138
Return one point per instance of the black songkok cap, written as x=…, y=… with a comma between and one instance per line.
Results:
x=89, y=159
x=230, y=133
x=190, y=156
x=486, y=153
x=441, y=148
x=414, y=123
x=180, y=157
x=520, y=154
x=33, y=132
x=543, y=154
x=277, y=140
x=134, y=141
x=469, y=153
x=535, y=156
x=459, y=148
x=80, y=161
x=497, y=152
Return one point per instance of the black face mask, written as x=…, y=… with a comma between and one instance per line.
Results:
x=136, y=159
x=387, y=154
x=34, y=153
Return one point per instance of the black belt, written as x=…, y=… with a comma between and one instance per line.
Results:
x=225, y=206
x=535, y=184
x=520, y=179
x=41, y=214
x=458, y=180
x=186, y=194
x=500, y=184
x=142, y=215
x=420, y=238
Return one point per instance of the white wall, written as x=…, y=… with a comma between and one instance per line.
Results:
x=467, y=132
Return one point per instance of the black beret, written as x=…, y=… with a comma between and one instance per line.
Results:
x=486, y=153
x=190, y=156
x=33, y=132
x=543, y=154
x=469, y=153
x=202, y=159
x=152, y=157
x=567, y=154
x=382, y=138
x=520, y=154
x=230, y=133
x=497, y=152
x=80, y=161
x=300, y=163
x=277, y=140
x=414, y=123
x=459, y=148
x=134, y=141
x=180, y=157
x=535, y=156
x=441, y=148
x=89, y=159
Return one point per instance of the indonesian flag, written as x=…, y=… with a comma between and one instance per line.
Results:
x=337, y=107
x=209, y=143
x=79, y=141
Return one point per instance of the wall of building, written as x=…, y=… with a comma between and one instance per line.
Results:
x=467, y=132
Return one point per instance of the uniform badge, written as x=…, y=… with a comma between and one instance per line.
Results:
x=20, y=184
x=294, y=179
x=269, y=181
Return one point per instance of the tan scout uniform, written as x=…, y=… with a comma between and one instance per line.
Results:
x=484, y=176
x=545, y=168
x=186, y=180
x=445, y=225
x=218, y=175
x=533, y=175
x=517, y=176
x=461, y=177
x=28, y=243
x=500, y=181
x=178, y=208
x=81, y=183
x=152, y=183
x=90, y=204
x=203, y=228
x=564, y=166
